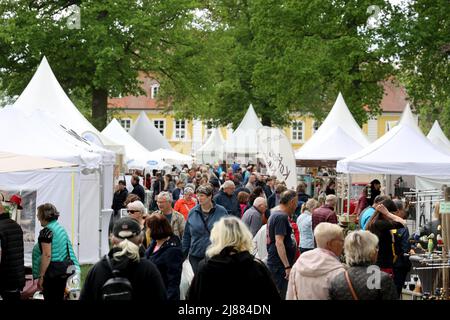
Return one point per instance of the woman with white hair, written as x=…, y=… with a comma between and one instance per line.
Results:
x=313, y=271
x=230, y=268
x=125, y=260
x=363, y=280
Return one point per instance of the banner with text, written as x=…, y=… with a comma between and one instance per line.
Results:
x=276, y=150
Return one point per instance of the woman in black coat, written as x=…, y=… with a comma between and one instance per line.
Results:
x=229, y=272
x=165, y=252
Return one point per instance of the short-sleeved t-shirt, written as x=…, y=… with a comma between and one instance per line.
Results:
x=365, y=217
x=45, y=236
x=278, y=224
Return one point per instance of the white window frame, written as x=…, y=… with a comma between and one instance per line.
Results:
x=175, y=130
x=130, y=121
x=164, y=125
x=208, y=131
x=295, y=139
x=153, y=87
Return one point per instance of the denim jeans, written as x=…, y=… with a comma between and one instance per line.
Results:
x=278, y=274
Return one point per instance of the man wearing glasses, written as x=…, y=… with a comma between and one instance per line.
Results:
x=176, y=219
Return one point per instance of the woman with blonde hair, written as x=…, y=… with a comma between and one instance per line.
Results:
x=229, y=267
x=304, y=223
x=125, y=260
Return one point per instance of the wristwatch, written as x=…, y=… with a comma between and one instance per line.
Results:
x=288, y=267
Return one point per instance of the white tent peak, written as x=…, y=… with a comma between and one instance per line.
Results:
x=136, y=155
x=212, y=149
x=323, y=145
x=250, y=120
x=407, y=118
x=145, y=132
x=390, y=154
x=438, y=137
x=44, y=93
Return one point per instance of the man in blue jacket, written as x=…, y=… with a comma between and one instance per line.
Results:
x=199, y=224
x=228, y=199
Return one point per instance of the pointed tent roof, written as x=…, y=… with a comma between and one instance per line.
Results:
x=40, y=136
x=392, y=154
x=244, y=139
x=212, y=149
x=324, y=146
x=137, y=157
x=44, y=92
x=437, y=136
x=145, y=132
x=408, y=118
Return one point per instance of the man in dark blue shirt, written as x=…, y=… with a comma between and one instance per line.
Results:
x=281, y=244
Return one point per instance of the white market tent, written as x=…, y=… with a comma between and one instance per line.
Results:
x=12, y=162
x=403, y=150
x=437, y=136
x=338, y=137
x=243, y=142
x=75, y=192
x=136, y=156
x=45, y=93
x=212, y=150
x=145, y=132
x=173, y=157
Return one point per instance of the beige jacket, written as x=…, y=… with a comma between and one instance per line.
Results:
x=311, y=275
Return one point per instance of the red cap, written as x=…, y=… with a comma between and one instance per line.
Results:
x=17, y=200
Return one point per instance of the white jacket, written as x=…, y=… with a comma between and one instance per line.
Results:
x=311, y=275
x=260, y=244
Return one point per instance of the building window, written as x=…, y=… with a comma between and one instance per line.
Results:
x=208, y=130
x=297, y=131
x=180, y=129
x=390, y=125
x=125, y=123
x=315, y=126
x=154, y=91
x=160, y=124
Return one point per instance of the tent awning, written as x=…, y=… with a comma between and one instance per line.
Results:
x=11, y=162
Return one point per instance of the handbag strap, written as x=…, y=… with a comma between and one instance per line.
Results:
x=352, y=290
x=204, y=223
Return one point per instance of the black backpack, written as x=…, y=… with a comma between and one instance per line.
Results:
x=116, y=288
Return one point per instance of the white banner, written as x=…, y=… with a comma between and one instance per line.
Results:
x=276, y=150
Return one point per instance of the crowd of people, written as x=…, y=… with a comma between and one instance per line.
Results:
x=237, y=228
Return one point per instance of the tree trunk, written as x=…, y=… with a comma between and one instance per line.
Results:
x=99, y=104
x=266, y=121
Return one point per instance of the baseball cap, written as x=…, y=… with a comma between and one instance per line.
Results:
x=17, y=200
x=126, y=228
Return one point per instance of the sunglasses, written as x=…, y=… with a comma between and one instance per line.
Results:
x=133, y=211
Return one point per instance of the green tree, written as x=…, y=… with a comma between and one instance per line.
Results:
x=291, y=56
x=115, y=40
x=418, y=37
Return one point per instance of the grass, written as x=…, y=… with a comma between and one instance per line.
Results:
x=84, y=271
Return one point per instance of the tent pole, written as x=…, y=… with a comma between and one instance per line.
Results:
x=349, y=179
x=79, y=211
x=101, y=173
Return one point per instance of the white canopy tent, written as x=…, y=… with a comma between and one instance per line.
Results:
x=403, y=150
x=137, y=157
x=212, y=150
x=45, y=93
x=75, y=192
x=437, y=136
x=173, y=157
x=338, y=137
x=145, y=132
x=243, y=142
x=12, y=162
